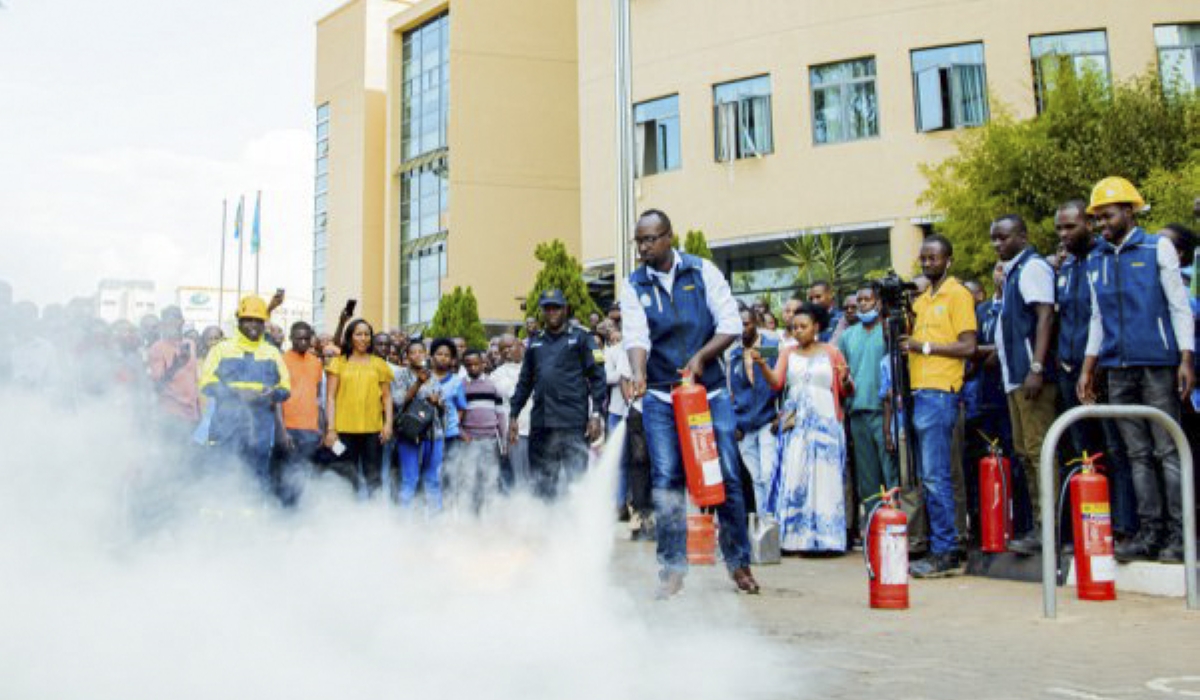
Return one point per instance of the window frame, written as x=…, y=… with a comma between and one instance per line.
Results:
x=953, y=98
x=742, y=102
x=662, y=165
x=844, y=87
x=1036, y=62
x=1193, y=48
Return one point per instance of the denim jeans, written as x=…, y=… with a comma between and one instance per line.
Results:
x=1150, y=450
x=760, y=455
x=668, y=485
x=421, y=463
x=621, y=497
x=934, y=415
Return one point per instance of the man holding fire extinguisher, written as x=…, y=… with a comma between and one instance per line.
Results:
x=678, y=317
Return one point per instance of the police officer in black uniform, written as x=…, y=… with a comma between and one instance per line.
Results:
x=560, y=371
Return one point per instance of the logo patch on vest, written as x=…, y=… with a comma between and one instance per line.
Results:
x=646, y=300
x=1137, y=264
x=689, y=287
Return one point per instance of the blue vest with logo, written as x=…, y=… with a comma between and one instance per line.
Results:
x=680, y=323
x=1136, y=316
x=1019, y=321
x=1074, y=301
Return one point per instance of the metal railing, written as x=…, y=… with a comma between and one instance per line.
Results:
x=1049, y=494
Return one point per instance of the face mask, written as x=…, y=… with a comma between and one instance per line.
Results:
x=868, y=317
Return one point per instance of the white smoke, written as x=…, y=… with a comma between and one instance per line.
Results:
x=126, y=574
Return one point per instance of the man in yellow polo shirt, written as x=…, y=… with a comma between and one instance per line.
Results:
x=943, y=337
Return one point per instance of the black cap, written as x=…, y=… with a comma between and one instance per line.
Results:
x=552, y=297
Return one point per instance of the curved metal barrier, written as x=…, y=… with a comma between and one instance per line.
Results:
x=1049, y=493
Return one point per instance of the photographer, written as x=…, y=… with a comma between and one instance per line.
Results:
x=755, y=408
x=942, y=340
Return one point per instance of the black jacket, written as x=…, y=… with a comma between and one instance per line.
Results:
x=561, y=372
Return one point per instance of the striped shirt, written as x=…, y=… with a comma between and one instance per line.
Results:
x=485, y=407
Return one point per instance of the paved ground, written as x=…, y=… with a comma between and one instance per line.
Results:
x=964, y=637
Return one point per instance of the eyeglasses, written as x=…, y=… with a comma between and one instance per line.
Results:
x=643, y=241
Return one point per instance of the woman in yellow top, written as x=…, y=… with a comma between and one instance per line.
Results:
x=358, y=408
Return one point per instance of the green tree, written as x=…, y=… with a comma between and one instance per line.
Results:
x=458, y=316
x=1086, y=132
x=560, y=270
x=697, y=245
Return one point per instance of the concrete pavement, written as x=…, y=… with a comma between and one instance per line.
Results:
x=963, y=637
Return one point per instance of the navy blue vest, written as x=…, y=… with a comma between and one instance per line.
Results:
x=1019, y=321
x=1074, y=301
x=753, y=404
x=680, y=323
x=1137, y=318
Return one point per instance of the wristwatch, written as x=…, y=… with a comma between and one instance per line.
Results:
x=1036, y=367
x=927, y=348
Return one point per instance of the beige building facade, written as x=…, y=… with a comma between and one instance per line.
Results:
x=470, y=126
x=461, y=133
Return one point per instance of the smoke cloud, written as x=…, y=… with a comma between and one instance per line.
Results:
x=125, y=573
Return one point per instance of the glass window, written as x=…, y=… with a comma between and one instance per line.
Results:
x=1086, y=53
x=421, y=287
x=742, y=118
x=320, y=213
x=1179, y=56
x=656, y=136
x=425, y=88
x=950, y=87
x=845, y=107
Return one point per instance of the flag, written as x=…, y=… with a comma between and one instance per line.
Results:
x=237, y=221
x=254, y=239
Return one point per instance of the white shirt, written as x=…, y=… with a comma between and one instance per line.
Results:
x=505, y=379
x=1037, y=286
x=1171, y=280
x=635, y=329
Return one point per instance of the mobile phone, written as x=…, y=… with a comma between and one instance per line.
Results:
x=350, y=304
x=769, y=353
x=279, y=291
x=338, y=449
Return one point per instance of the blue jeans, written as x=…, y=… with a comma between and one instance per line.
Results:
x=667, y=482
x=934, y=416
x=622, y=494
x=421, y=463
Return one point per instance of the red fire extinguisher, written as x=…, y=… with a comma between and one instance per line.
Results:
x=887, y=554
x=698, y=442
x=1091, y=524
x=995, y=500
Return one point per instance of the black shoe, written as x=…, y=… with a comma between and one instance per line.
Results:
x=938, y=566
x=1172, y=551
x=1027, y=545
x=1141, y=547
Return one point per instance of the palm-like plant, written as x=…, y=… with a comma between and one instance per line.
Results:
x=821, y=256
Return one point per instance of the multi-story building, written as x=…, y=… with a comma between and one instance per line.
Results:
x=125, y=300
x=452, y=149
x=754, y=122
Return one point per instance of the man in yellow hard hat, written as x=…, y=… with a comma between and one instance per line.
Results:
x=1141, y=334
x=246, y=377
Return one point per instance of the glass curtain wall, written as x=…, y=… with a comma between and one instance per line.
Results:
x=424, y=170
x=321, y=217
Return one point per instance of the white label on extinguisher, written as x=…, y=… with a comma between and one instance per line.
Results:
x=893, y=556
x=712, y=472
x=1104, y=569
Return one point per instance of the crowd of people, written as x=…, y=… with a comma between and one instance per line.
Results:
x=812, y=411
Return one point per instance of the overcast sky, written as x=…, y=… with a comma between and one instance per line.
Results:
x=123, y=124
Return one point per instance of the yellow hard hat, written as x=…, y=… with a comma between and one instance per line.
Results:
x=253, y=307
x=1115, y=190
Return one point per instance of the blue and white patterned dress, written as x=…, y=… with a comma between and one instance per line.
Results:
x=806, y=495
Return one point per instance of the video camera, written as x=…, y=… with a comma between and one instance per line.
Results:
x=894, y=293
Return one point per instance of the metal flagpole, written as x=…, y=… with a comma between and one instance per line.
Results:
x=221, y=276
x=623, y=263
x=256, y=243
x=240, y=236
